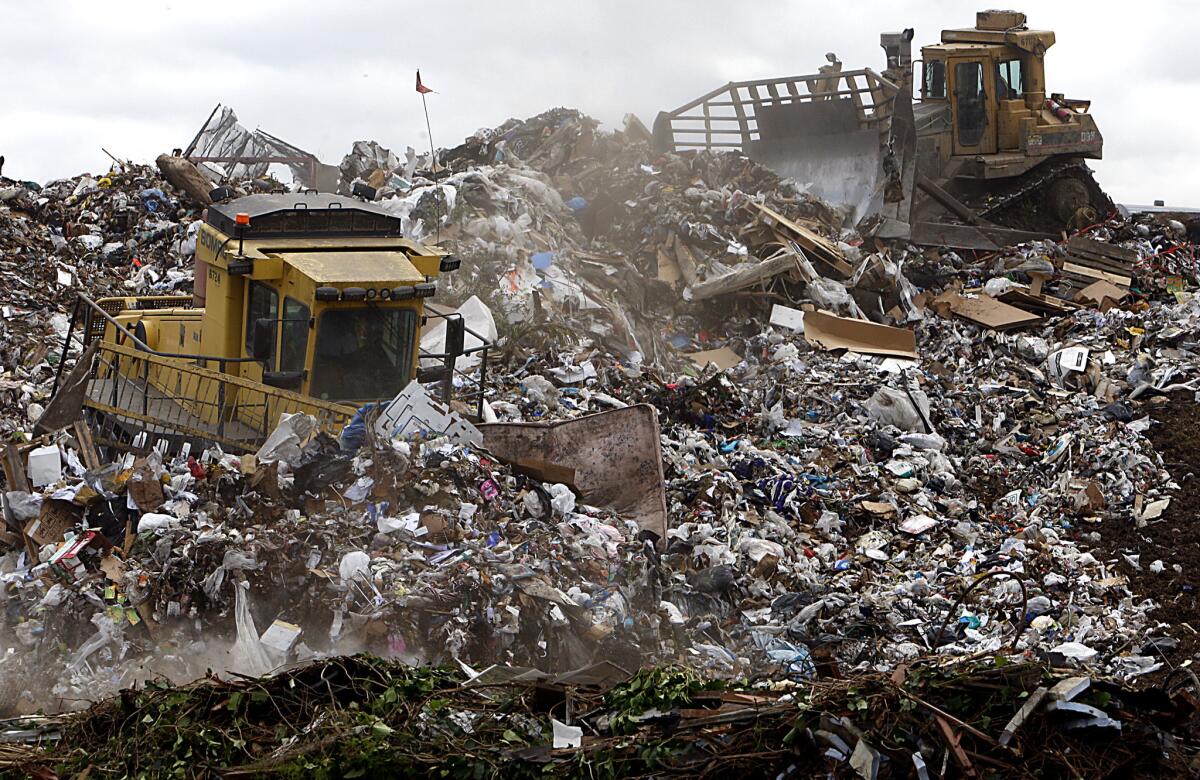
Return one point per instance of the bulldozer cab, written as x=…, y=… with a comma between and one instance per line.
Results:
x=985, y=89
x=307, y=303
x=323, y=298
x=308, y=335
x=992, y=76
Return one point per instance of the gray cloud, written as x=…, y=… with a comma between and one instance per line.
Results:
x=138, y=78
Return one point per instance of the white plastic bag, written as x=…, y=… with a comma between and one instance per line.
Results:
x=248, y=656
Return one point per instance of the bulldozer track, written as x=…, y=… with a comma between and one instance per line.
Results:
x=1051, y=172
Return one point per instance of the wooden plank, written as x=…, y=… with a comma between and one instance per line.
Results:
x=87, y=446
x=14, y=469
x=1114, y=252
x=1103, y=263
x=1040, y=304
x=818, y=247
x=1090, y=251
x=1092, y=274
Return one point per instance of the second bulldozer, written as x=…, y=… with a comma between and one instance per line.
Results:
x=984, y=157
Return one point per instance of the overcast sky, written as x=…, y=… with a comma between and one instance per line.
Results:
x=138, y=78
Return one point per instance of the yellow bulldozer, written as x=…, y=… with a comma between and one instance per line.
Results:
x=303, y=303
x=986, y=157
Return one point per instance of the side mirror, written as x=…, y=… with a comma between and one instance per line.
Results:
x=262, y=340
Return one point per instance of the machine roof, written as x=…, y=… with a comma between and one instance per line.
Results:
x=958, y=48
x=303, y=214
x=361, y=268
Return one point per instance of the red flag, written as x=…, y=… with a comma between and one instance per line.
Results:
x=421, y=87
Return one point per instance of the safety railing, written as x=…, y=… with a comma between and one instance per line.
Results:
x=729, y=117
x=167, y=396
x=184, y=396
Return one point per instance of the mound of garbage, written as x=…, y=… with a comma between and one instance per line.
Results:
x=846, y=457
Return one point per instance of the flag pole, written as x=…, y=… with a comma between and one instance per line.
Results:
x=433, y=167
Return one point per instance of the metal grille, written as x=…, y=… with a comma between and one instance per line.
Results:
x=93, y=328
x=738, y=113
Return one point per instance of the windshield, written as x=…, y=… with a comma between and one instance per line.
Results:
x=363, y=354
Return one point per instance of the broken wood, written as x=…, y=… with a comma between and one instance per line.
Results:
x=14, y=469
x=817, y=247
x=687, y=262
x=1102, y=252
x=746, y=275
x=87, y=446
x=956, y=748
x=1088, y=275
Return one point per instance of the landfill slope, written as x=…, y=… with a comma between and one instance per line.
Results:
x=874, y=457
x=1176, y=540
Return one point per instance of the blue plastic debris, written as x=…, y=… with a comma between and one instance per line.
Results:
x=355, y=433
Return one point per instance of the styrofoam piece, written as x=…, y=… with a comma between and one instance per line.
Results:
x=787, y=317
x=412, y=411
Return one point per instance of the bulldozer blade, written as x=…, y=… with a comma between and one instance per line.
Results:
x=822, y=146
x=827, y=155
x=846, y=137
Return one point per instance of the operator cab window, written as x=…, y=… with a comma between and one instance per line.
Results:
x=363, y=354
x=1009, y=84
x=295, y=335
x=969, y=94
x=263, y=305
x=935, y=79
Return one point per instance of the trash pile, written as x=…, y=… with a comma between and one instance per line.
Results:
x=850, y=514
x=363, y=716
x=127, y=232
x=725, y=434
x=559, y=223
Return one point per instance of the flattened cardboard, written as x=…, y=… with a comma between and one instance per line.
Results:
x=668, y=269
x=144, y=487
x=1098, y=292
x=879, y=507
x=829, y=332
x=113, y=567
x=724, y=358
x=988, y=311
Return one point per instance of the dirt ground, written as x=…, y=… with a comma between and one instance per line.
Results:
x=1173, y=540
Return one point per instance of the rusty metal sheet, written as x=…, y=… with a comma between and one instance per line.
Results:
x=616, y=455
